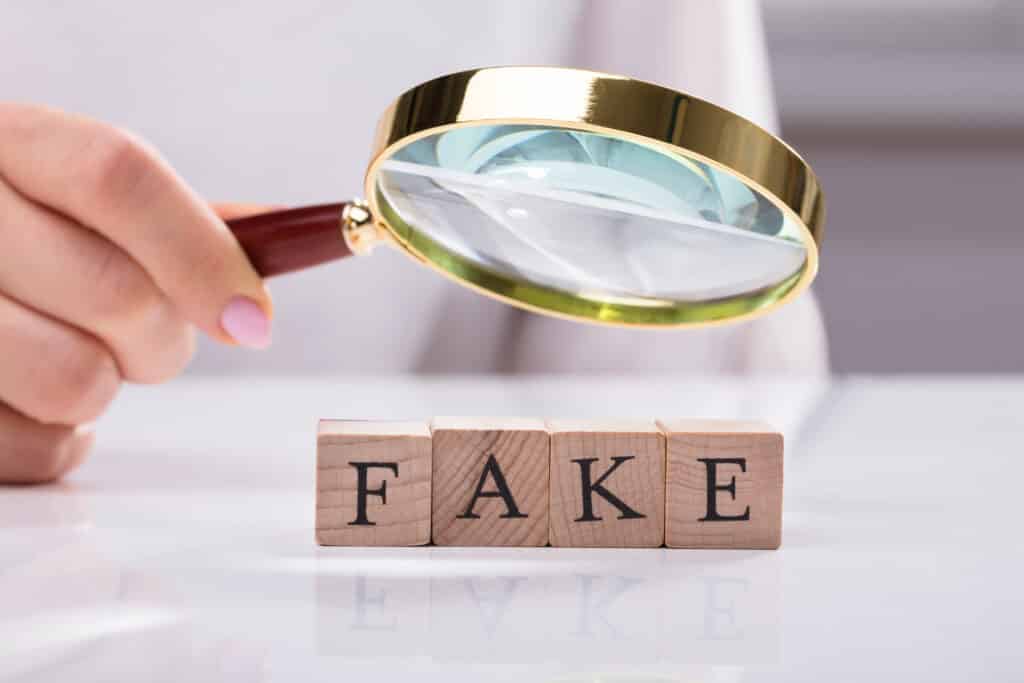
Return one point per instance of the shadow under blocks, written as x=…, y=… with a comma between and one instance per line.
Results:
x=565, y=483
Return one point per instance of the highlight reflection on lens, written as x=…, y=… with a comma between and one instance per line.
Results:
x=590, y=214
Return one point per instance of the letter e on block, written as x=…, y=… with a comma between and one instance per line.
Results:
x=373, y=483
x=607, y=484
x=723, y=484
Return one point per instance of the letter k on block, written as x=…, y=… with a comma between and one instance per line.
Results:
x=607, y=483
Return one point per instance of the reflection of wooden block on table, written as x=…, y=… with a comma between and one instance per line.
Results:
x=373, y=483
x=724, y=484
x=490, y=482
x=607, y=483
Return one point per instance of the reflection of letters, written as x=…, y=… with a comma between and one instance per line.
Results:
x=594, y=610
x=718, y=615
x=364, y=603
x=362, y=490
x=590, y=488
x=501, y=490
x=492, y=609
x=714, y=487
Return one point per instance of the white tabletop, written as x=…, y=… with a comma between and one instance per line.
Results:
x=183, y=551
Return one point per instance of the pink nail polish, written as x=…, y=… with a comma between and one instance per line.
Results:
x=246, y=322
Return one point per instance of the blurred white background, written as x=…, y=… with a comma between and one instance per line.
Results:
x=912, y=111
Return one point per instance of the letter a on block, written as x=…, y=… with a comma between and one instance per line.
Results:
x=607, y=483
x=490, y=481
x=723, y=484
x=373, y=483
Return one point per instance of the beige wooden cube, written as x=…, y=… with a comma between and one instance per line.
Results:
x=724, y=484
x=490, y=481
x=607, y=483
x=373, y=483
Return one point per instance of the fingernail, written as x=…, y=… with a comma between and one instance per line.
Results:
x=246, y=322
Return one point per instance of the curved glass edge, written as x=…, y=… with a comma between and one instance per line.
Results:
x=597, y=101
x=660, y=313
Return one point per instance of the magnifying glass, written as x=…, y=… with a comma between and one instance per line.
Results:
x=573, y=193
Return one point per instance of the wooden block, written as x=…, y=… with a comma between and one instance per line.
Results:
x=490, y=482
x=373, y=483
x=724, y=484
x=607, y=483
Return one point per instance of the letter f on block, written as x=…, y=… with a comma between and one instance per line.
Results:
x=362, y=490
x=590, y=487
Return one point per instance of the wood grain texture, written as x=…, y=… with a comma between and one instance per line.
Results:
x=758, y=490
x=638, y=482
x=404, y=519
x=463, y=448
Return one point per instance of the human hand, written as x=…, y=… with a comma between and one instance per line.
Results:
x=107, y=261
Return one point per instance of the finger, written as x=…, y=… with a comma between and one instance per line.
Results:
x=51, y=372
x=35, y=453
x=76, y=276
x=111, y=182
x=228, y=211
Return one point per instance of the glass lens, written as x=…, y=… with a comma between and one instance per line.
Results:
x=590, y=215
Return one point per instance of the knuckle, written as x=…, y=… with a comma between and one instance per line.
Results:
x=182, y=349
x=17, y=118
x=123, y=293
x=83, y=379
x=211, y=267
x=49, y=452
x=115, y=165
x=169, y=345
x=151, y=341
x=9, y=112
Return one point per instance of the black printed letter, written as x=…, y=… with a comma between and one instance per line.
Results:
x=713, y=488
x=502, y=491
x=362, y=492
x=625, y=512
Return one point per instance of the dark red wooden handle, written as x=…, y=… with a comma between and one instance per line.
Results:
x=282, y=241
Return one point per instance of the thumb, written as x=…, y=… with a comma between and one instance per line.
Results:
x=120, y=187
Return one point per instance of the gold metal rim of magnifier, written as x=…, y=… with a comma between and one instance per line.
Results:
x=642, y=112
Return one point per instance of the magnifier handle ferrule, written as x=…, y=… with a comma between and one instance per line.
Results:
x=293, y=239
